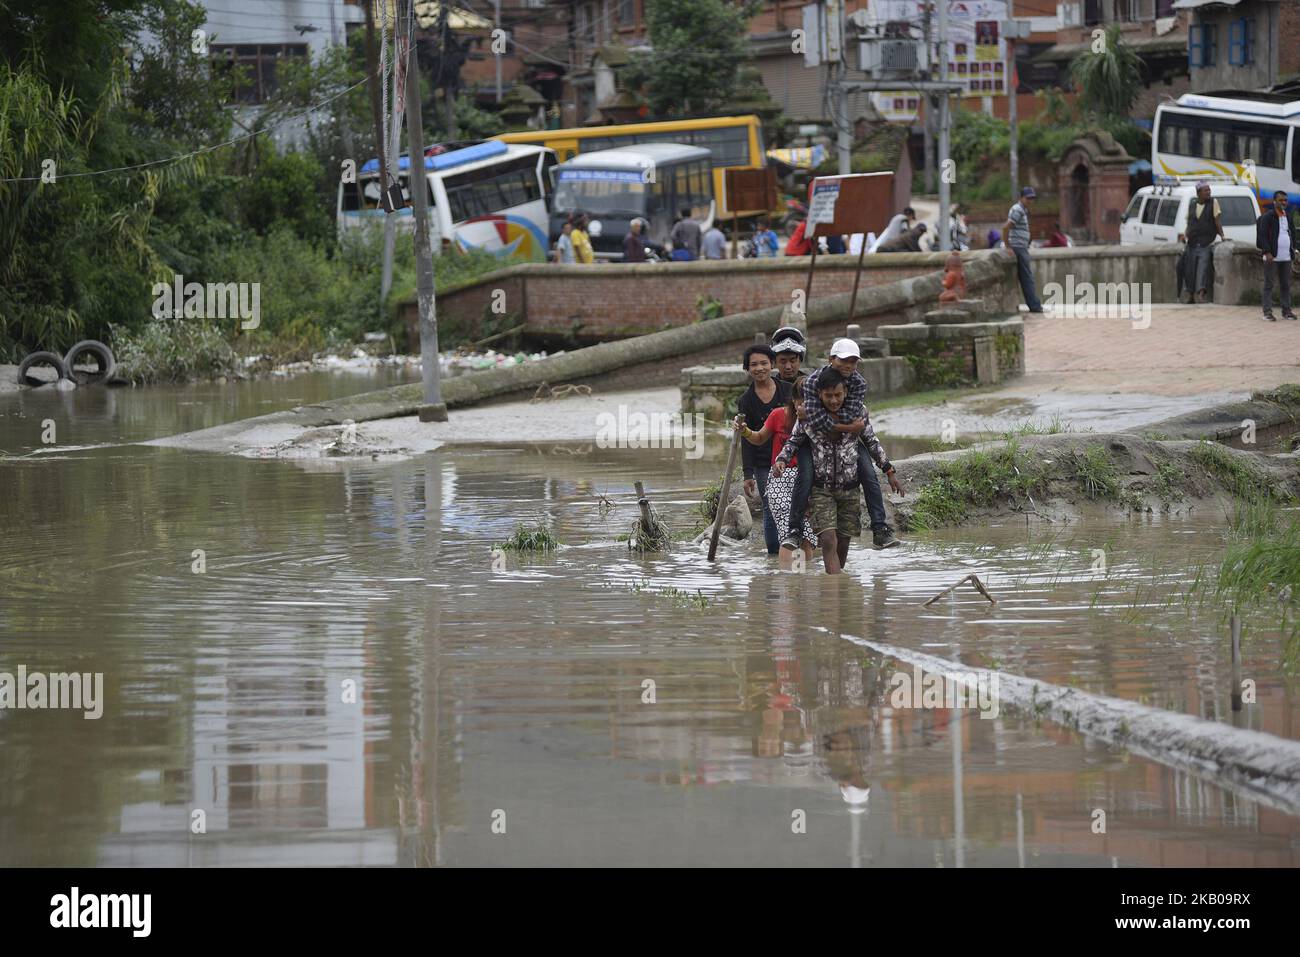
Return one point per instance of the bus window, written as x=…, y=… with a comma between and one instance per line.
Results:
x=490, y=189
x=549, y=163
x=730, y=145
x=600, y=192
x=657, y=201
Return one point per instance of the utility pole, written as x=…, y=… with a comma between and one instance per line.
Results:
x=928, y=119
x=385, y=174
x=433, y=409
x=945, y=189
x=835, y=51
x=1010, y=71
x=496, y=14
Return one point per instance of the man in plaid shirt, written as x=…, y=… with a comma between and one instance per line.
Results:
x=852, y=419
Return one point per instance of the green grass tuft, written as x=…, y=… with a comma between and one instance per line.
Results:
x=525, y=539
x=976, y=479
x=1239, y=477
x=1096, y=473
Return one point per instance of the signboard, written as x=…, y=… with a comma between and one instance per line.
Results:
x=858, y=203
x=977, y=51
x=751, y=190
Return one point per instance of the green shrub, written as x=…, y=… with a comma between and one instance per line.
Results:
x=174, y=350
x=976, y=479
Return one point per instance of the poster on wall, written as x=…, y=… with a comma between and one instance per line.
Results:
x=976, y=48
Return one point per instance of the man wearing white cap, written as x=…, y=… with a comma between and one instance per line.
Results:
x=852, y=419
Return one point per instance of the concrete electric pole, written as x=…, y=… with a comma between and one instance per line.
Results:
x=433, y=409
x=945, y=189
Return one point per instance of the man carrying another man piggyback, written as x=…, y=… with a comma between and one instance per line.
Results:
x=835, y=447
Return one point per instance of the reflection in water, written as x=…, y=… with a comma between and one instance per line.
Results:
x=523, y=692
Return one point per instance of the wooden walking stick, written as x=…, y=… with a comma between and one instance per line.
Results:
x=723, y=499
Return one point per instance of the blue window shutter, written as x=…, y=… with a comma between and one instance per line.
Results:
x=1235, y=41
x=1249, y=41
x=1194, y=45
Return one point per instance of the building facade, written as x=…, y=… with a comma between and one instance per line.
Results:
x=1242, y=46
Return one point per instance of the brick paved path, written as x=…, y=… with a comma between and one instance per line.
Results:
x=1187, y=349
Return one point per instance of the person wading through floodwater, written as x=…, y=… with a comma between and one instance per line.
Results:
x=764, y=395
x=780, y=489
x=852, y=419
x=836, y=514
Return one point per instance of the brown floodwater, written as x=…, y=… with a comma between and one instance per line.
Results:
x=499, y=692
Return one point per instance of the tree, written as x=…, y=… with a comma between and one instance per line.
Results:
x=698, y=49
x=1108, y=79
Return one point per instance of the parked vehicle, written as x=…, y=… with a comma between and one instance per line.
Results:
x=613, y=187
x=733, y=142
x=487, y=195
x=1229, y=133
x=1158, y=213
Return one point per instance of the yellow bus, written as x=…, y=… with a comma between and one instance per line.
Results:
x=734, y=141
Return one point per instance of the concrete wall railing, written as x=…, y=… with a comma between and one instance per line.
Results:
x=1238, y=273
x=584, y=304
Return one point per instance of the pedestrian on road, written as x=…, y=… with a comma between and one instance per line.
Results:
x=908, y=242
x=1203, y=225
x=634, y=244
x=799, y=244
x=900, y=224
x=686, y=237
x=564, y=246
x=764, y=395
x=715, y=243
x=1016, y=229
x=581, y=242
x=766, y=241
x=1275, y=238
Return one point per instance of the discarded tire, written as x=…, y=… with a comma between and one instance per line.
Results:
x=41, y=359
x=103, y=357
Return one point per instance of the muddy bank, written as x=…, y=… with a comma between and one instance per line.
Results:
x=1267, y=418
x=1056, y=477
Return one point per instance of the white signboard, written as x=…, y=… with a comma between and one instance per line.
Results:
x=822, y=207
x=977, y=51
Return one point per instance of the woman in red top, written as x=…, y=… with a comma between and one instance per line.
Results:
x=779, y=424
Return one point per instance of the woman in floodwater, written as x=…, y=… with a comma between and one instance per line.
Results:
x=777, y=428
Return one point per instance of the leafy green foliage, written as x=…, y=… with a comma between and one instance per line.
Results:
x=174, y=350
x=976, y=479
x=1108, y=81
x=525, y=539
x=699, y=46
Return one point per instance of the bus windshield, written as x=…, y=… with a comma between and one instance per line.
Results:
x=600, y=192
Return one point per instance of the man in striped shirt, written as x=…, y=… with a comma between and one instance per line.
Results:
x=852, y=419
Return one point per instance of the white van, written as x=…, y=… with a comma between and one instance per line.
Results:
x=1157, y=214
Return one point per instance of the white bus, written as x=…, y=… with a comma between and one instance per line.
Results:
x=1225, y=133
x=487, y=195
x=650, y=181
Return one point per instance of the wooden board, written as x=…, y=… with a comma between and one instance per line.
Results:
x=864, y=204
x=750, y=190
